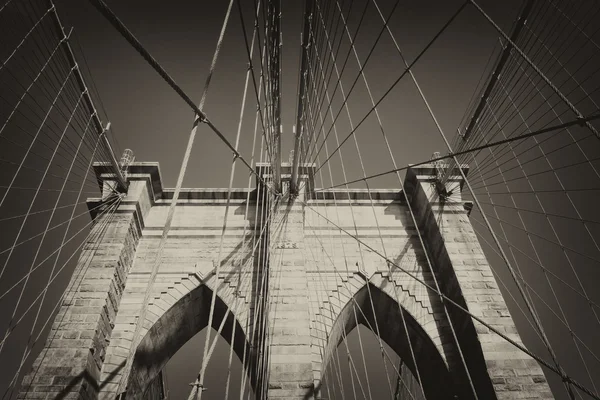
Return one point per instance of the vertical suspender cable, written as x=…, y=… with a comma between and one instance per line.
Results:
x=157, y=261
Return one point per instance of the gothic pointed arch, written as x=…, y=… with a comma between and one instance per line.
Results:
x=386, y=313
x=184, y=319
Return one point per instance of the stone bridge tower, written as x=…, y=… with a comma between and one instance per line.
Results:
x=321, y=283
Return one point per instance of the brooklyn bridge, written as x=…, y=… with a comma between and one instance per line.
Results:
x=321, y=199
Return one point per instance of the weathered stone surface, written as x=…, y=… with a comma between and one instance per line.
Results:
x=321, y=284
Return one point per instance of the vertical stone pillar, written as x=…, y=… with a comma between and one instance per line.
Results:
x=497, y=368
x=70, y=363
x=290, y=357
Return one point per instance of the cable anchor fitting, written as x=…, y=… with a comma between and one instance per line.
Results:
x=106, y=128
x=199, y=386
x=581, y=121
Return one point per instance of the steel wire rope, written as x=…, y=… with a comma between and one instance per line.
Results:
x=96, y=91
x=551, y=77
x=260, y=286
x=496, y=275
x=559, y=243
x=320, y=97
x=487, y=243
x=253, y=257
x=264, y=66
x=539, y=262
x=322, y=280
x=453, y=154
x=321, y=33
x=105, y=222
x=534, y=291
x=37, y=191
x=25, y=220
x=358, y=150
x=198, y=117
x=501, y=164
x=101, y=6
x=330, y=60
x=345, y=257
x=355, y=304
x=257, y=89
x=464, y=310
x=338, y=374
x=6, y=60
x=62, y=178
x=80, y=163
x=423, y=51
x=58, y=255
x=576, y=26
x=57, y=107
x=65, y=62
x=541, y=173
x=325, y=82
x=18, y=321
x=381, y=15
x=512, y=138
x=249, y=71
x=546, y=271
x=381, y=127
x=351, y=46
x=50, y=119
x=258, y=320
x=562, y=187
x=205, y=357
x=32, y=83
x=35, y=236
x=347, y=57
x=230, y=310
x=347, y=190
x=507, y=262
x=512, y=67
x=470, y=108
x=361, y=73
x=376, y=330
x=509, y=72
x=264, y=361
x=363, y=358
x=344, y=334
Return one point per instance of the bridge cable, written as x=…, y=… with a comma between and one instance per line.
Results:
x=103, y=8
x=105, y=217
x=335, y=130
x=345, y=104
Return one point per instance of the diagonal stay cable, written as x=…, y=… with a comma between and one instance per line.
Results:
x=395, y=83
x=199, y=117
x=57, y=202
x=577, y=121
x=103, y=8
x=106, y=216
x=535, y=67
x=206, y=359
x=551, y=367
x=26, y=218
x=567, y=382
x=14, y=324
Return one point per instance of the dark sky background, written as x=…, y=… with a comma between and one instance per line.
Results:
x=149, y=118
